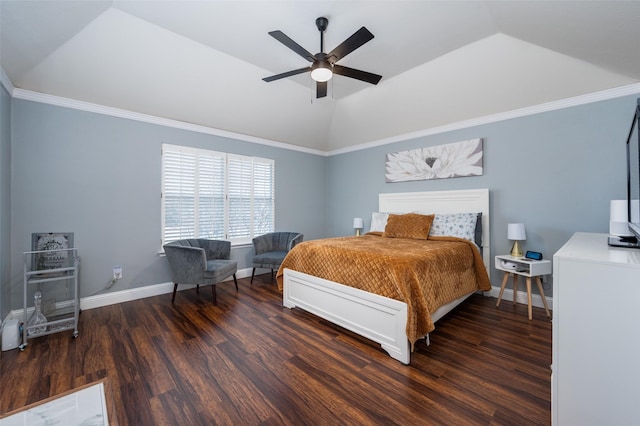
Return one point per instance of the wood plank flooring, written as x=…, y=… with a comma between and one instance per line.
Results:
x=249, y=361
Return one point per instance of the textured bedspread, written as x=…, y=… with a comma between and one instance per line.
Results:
x=425, y=274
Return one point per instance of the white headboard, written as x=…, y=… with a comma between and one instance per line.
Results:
x=460, y=201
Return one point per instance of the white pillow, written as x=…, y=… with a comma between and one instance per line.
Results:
x=461, y=225
x=378, y=221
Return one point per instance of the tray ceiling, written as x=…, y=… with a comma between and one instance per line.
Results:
x=202, y=62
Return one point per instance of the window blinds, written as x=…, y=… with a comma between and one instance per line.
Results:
x=209, y=194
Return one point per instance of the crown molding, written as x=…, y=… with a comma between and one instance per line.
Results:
x=631, y=89
x=121, y=113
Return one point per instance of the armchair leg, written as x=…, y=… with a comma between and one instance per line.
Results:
x=235, y=281
x=252, y=275
x=197, y=288
x=175, y=288
x=213, y=293
x=272, y=276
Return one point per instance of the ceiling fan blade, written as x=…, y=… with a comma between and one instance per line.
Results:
x=356, y=40
x=357, y=74
x=287, y=74
x=284, y=39
x=321, y=89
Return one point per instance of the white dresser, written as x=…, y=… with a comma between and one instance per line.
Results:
x=596, y=333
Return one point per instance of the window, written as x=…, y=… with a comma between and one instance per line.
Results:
x=209, y=194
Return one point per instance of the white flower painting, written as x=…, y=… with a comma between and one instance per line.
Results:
x=436, y=162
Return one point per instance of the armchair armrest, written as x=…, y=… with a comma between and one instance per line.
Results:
x=294, y=241
x=187, y=263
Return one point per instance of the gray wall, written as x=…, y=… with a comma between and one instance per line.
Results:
x=554, y=171
x=5, y=201
x=99, y=177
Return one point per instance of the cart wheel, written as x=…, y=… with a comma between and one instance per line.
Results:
x=75, y=334
x=21, y=347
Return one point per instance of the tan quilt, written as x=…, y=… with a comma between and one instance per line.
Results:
x=425, y=274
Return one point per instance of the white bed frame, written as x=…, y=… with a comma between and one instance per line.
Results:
x=375, y=317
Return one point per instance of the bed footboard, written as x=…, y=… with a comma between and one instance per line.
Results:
x=375, y=317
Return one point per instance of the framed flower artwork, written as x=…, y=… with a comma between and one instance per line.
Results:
x=436, y=162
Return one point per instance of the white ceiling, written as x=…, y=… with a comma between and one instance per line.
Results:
x=202, y=62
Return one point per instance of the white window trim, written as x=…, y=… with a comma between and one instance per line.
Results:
x=238, y=241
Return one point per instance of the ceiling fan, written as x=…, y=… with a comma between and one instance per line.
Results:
x=323, y=65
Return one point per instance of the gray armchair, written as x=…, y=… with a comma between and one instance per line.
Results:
x=271, y=248
x=200, y=262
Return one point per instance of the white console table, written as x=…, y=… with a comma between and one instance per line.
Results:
x=596, y=351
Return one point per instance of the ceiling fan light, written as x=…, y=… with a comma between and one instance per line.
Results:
x=321, y=72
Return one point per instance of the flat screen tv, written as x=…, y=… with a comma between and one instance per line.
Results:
x=633, y=175
x=633, y=186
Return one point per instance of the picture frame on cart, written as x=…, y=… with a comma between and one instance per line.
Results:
x=55, y=245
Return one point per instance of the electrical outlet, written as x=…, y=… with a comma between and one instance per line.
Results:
x=117, y=272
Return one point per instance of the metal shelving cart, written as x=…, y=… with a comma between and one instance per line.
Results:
x=44, y=270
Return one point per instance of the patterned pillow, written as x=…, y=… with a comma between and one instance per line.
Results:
x=461, y=225
x=410, y=225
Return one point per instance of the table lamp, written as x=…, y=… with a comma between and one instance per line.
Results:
x=516, y=232
x=358, y=224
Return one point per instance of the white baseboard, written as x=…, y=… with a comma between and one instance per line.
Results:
x=521, y=297
x=112, y=298
x=106, y=299
x=99, y=300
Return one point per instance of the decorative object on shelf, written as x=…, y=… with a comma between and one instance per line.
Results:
x=515, y=233
x=56, y=244
x=436, y=162
x=358, y=224
x=37, y=317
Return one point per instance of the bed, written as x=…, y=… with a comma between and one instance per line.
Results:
x=388, y=321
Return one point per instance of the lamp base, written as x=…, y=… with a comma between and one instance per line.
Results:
x=515, y=250
x=357, y=232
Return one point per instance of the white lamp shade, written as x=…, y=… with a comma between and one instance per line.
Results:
x=618, y=211
x=618, y=218
x=358, y=223
x=515, y=231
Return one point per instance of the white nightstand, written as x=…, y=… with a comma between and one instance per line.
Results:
x=528, y=268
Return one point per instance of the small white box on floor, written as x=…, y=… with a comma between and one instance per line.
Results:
x=10, y=335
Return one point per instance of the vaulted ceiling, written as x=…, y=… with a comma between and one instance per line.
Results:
x=202, y=62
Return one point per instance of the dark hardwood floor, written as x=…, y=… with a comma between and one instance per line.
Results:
x=250, y=361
